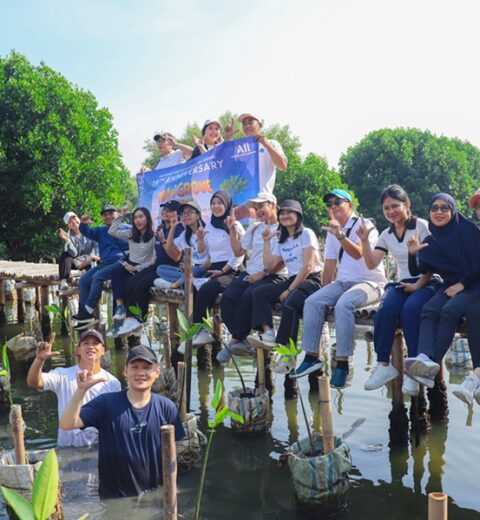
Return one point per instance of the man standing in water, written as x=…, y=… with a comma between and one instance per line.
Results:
x=128, y=423
x=62, y=381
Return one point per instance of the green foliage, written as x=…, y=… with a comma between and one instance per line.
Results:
x=58, y=152
x=63, y=317
x=419, y=161
x=20, y=505
x=5, y=373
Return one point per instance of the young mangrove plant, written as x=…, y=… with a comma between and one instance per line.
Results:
x=137, y=312
x=221, y=413
x=290, y=354
x=62, y=316
x=5, y=373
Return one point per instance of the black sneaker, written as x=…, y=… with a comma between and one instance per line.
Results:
x=83, y=316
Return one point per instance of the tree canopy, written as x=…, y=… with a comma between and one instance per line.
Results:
x=420, y=161
x=58, y=152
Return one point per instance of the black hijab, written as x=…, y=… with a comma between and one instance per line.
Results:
x=219, y=222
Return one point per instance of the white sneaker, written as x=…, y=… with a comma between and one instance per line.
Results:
x=429, y=382
x=380, y=376
x=202, y=337
x=162, y=284
x=477, y=395
x=64, y=285
x=410, y=386
x=421, y=366
x=466, y=391
x=242, y=348
x=129, y=326
x=266, y=340
x=181, y=348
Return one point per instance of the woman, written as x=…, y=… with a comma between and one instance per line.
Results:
x=141, y=245
x=171, y=277
x=403, y=300
x=453, y=251
x=79, y=251
x=225, y=265
x=211, y=137
x=297, y=248
x=237, y=299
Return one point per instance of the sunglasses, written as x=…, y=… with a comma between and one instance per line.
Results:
x=435, y=208
x=335, y=202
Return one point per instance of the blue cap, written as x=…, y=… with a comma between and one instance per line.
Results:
x=341, y=194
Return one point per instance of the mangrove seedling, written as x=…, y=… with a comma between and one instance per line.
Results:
x=5, y=373
x=221, y=413
x=62, y=316
x=290, y=354
x=137, y=312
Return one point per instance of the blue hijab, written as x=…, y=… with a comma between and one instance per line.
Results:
x=453, y=250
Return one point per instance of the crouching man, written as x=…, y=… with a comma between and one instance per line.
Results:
x=128, y=424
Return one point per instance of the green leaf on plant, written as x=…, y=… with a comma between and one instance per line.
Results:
x=5, y=360
x=217, y=395
x=21, y=507
x=236, y=417
x=53, y=309
x=283, y=350
x=207, y=323
x=182, y=320
x=3, y=373
x=135, y=310
x=65, y=312
x=83, y=517
x=45, y=487
x=211, y=424
x=221, y=415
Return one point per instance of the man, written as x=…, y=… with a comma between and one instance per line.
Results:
x=355, y=286
x=270, y=152
x=171, y=152
x=111, y=250
x=128, y=423
x=63, y=381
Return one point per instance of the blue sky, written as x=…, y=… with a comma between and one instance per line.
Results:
x=331, y=69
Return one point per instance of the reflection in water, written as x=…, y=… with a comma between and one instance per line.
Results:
x=292, y=420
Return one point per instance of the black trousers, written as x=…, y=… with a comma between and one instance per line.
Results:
x=137, y=291
x=237, y=303
x=473, y=330
x=65, y=264
x=292, y=307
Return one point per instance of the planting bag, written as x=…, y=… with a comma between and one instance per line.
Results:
x=254, y=408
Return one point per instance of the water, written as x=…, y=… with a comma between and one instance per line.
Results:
x=243, y=478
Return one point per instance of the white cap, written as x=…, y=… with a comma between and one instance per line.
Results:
x=68, y=216
x=263, y=196
x=241, y=117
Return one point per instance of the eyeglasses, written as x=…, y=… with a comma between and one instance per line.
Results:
x=189, y=213
x=335, y=202
x=435, y=208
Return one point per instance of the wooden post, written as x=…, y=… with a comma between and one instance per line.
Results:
x=18, y=429
x=182, y=390
x=167, y=352
x=46, y=325
x=3, y=317
x=102, y=317
x=63, y=306
x=189, y=315
x=38, y=302
x=169, y=469
x=20, y=306
x=397, y=362
x=326, y=413
x=437, y=506
x=261, y=370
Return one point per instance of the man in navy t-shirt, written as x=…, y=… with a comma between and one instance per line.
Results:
x=128, y=424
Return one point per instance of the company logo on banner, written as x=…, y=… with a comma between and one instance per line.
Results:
x=231, y=166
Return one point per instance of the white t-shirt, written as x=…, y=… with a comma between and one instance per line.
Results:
x=181, y=243
x=292, y=252
x=252, y=241
x=63, y=382
x=351, y=270
x=388, y=242
x=266, y=169
x=219, y=248
x=172, y=159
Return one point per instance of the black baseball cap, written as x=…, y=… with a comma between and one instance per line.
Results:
x=143, y=353
x=172, y=205
x=291, y=205
x=108, y=207
x=94, y=333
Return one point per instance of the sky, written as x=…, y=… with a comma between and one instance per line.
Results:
x=333, y=70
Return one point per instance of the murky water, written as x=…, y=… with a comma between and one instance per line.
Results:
x=243, y=477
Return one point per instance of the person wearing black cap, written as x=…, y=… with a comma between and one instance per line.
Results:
x=62, y=381
x=211, y=137
x=110, y=250
x=297, y=248
x=128, y=423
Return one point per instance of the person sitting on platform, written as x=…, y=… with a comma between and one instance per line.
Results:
x=354, y=286
x=62, y=381
x=128, y=423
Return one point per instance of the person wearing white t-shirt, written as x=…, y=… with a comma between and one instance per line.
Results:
x=403, y=300
x=297, y=249
x=62, y=381
x=355, y=286
x=172, y=153
x=270, y=153
x=237, y=299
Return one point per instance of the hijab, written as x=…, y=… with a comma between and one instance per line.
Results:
x=219, y=222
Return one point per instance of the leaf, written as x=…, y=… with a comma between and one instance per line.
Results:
x=182, y=320
x=65, y=312
x=283, y=350
x=236, y=417
x=217, y=395
x=3, y=373
x=221, y=415
x=211, y=424
x=45, y=487
x=207, y=323
x=22, y=508
x=135, y=310
x=83, y=517
x=5, y=360
x=53, y=309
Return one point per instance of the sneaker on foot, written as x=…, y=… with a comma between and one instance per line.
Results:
x=421, y=366
x=64, y=285
x=83, y=316
x=477, y=395
x=380, y=376
x=120, y=313
x=307, y=366
x=339, y=378
x=242, y=348
x=113, y=332
x=202, y=337
x=162, y=284
x=429, y=382
x=466, y=391
x=85, y=325
x=265, y=340
x=224, y=355
x=410, y=386
x=129, y=326
x=181, y=348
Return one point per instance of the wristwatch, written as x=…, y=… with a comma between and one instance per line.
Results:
x=266, y=272
x=341, y=236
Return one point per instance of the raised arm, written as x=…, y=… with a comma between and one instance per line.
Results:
x=372, y=257
x=43, y=351
x=170, y=248
x=234, y=238
x=278, y=159
x=114, y=229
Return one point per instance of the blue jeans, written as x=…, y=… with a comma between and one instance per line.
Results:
x=170, y=273
x=400, y=308
x=91, y=283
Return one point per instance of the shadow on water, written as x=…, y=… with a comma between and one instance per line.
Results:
x=399, y=454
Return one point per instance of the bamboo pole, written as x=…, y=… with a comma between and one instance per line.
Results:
x=169, y=470
x=261, y=370
x=20, y=306
x=326, y=414
x=397, y=362
x=437, y=506
x=182, y=391
x=18, y=429
x=46, y=325
x=189, y=315
x=167, y=352
x=3, y=317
